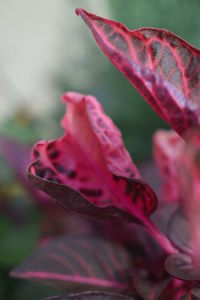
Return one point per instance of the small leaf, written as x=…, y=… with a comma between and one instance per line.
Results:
x=92, y=296
x=89, y=170
x=78, y=261
x=181, y=266
x=164, y=68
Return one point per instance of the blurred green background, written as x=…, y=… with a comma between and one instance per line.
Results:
x=45, y=50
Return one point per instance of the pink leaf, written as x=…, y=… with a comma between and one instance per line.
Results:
x=90, y=163
x=164, y=68
x=167, y=146
x=75, y=261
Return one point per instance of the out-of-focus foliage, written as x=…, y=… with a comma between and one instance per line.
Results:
x=19, y=216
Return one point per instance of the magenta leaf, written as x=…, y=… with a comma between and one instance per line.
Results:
x=92, y=296
x=182, y=266
x=164, y=68
x=75, y=261
x=166, y=147
x=89, y=170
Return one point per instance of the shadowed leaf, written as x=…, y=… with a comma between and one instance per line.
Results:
x=166, y=148
x=163, y=289
x=192, y=294
x=164, y=68
x=180, y=232
x=91, y=296
x=78, y=261
x=181, y=266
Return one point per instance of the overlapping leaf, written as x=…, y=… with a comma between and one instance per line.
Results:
x=192, y=294
x=89, y=170
x=163, y=289
x=182, y=266
x=92, y=296
x=184, y=231
x=83, y=262
x=166, y=147
x=164, y=68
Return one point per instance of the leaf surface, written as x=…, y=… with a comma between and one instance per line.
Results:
x=79, y=262
x=164, y=68
x=89, y=170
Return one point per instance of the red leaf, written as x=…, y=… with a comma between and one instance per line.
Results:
x=78, y=261
x=90, y=159
x=167, y=145
x=163, y=67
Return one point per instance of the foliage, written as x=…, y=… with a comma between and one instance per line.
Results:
x=89, y=171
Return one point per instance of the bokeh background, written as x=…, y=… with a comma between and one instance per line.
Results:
x=45, y=50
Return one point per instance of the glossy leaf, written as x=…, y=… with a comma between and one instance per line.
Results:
x=164, y=68
x=89, y=170
x=166, y=147
x=78, y=261
x=91, y=296
x=182, y=266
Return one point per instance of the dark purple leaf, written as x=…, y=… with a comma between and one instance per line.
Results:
x=163, y=67
x=78, y=261
x=180, y=232
x=192, y=294
x=163, y=289
x=149, y=290
x=92, y=296
x=182, y=266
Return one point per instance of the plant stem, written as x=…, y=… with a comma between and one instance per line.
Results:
x=159, y=237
